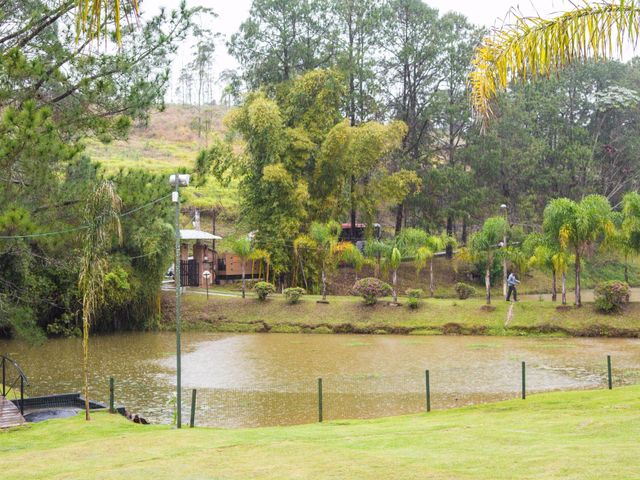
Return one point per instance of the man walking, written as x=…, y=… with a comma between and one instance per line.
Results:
x=512, y=281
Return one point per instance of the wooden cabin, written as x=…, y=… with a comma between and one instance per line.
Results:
x=198, y=254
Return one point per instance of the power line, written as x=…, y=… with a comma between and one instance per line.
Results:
x=82, y=227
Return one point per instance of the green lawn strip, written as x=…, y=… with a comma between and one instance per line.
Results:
x=434, y=316
x=587, y=434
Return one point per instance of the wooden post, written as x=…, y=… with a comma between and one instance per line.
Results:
x=192, y=420
x=111, y=396
x=428, y=390
x=320, y=400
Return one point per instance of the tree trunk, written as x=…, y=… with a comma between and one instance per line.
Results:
x=564, y=288
x=324, y=285
x=578, y=301
x=353, y=206
x=85, y=365
x=243, y=279
x=626, y=268
x=399, y=216
x=554, y=293
x=395, y=281
x=464, y=230
x=450, y=233
x=487, y=283
x=431, y=277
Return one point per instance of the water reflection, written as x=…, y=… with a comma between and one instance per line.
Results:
x=263, y=379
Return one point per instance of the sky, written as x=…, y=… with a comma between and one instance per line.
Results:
x=231, y=13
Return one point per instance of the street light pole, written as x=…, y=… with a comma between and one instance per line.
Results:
x=175, y=197
x=504, y=252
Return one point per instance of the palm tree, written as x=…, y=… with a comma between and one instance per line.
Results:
x=350, y=255
x=485, y=244
x=376, y=251
x=541, y=256
x=533, y=47
x=629, y=232
x=243, y=249
x=393, y=261
x=577, y=225
x=561, y=261
x=102, y=212
x=423, y=247
x=325, y=236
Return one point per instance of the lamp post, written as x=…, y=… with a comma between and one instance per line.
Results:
x=178, y=180
x=504, y=256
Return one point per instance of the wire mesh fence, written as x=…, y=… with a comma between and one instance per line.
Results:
x=267, y=402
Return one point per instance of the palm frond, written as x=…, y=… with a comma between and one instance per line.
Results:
x=534, y=47
x=93, y=16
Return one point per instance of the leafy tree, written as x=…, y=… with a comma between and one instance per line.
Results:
x=411, y=63
x=486, y=243
x=358, y=27
x=578, y=225
x=102, y=211
x=281, y=39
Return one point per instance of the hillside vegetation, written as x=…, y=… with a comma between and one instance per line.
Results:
x=170, y=141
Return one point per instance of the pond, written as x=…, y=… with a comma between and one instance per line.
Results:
x=271, y=379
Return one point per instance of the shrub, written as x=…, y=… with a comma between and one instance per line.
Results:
x=464, y=290
x=293, y=294
x=414, y=294
x=263, y=289
x=371, y=289
x=611, y=296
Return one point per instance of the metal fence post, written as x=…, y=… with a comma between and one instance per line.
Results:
x=112, y=408
x=192, y=420
x=4, y=381
x=524, y=381
x=428, y=390
x=21, y=395
x=320, y=400
x=610, y=378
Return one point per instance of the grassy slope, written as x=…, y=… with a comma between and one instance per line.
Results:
x=168, y=142
x=575, y=435
x=435, y=316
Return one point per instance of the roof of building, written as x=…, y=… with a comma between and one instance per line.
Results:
x=197, y=235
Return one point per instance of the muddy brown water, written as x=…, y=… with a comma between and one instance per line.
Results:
x=271, y=379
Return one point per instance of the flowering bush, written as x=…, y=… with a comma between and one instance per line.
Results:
x=464, y=290
x=263, y=289
x=371, y=289
x=611, y=296
x=293, y=294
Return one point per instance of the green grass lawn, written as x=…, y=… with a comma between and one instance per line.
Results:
x=575, y=435
x=434, y=316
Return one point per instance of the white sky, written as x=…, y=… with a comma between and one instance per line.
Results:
x=231, y=14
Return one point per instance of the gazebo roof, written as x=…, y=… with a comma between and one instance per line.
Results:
x=197, y=235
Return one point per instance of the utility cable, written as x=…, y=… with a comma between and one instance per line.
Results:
x=82, y=227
